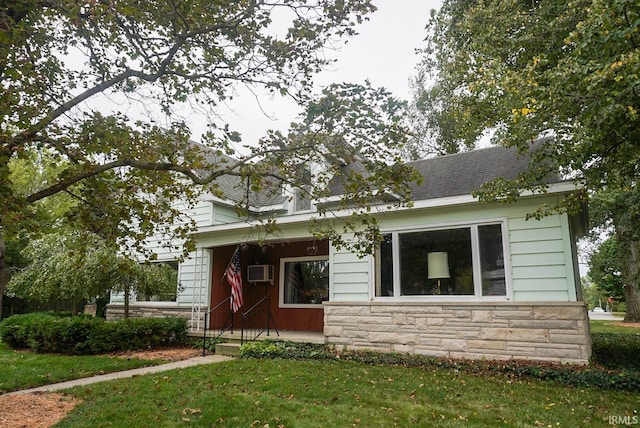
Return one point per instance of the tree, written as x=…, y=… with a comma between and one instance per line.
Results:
x=32, y=171
x=126, y=174
x=80, y=267
x=549, y=68
x=591, y=294
x=605, y=269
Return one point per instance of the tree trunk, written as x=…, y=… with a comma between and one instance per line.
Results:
x=126, y=302
x=632, y=297
x=630, y=275
x=4, y=273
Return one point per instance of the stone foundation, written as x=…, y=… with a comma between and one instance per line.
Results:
x=115, y=311
x=557, y=332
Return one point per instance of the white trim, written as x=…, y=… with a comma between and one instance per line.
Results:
x=452, y=298
x=373, y=260
x=451, y=201
x=209, y=197
x=268, y=208
x=154, y=303
x=239, y=225
x=377, y=192
x=572, y=284
x=476, y=262
x=281, y=280
x=445, y=225
x=506, y=254
x=395, y=256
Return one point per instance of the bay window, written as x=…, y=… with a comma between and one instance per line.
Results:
x=457, y=261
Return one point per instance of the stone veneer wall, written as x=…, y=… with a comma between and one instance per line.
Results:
x=556, y=332
x=116, y=311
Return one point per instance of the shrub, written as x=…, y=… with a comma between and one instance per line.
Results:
x=24, y=331
x=285, y=349
x=141, y=333
x=616, y=351
x=88, y=335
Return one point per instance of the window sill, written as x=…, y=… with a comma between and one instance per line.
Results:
x=442, y=298
x=301, y=306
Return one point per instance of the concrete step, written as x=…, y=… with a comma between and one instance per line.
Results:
x=294, y=336
x=228, y=348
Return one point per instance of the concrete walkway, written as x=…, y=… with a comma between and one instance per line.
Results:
x=608, y=316
x=195, y=361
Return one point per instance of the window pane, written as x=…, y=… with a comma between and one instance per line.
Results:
x=384, y=286
x=169, y=292
x=492, y=260
x=417, y=277
x=306, y=282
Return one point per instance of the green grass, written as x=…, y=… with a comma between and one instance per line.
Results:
x=25, y=369
x=252, y=392
x=612, y=327
x=289, y=393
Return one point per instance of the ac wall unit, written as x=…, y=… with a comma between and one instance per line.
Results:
x=260, y=273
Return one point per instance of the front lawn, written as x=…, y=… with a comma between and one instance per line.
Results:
x=331, y=392
x=612, y=327
x=293, y=393
x=25, y=369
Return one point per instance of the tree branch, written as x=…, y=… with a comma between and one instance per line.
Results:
x=232, y=169
x=32, y=131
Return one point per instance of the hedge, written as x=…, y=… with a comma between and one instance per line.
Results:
x=616, y=351
x=43, y=332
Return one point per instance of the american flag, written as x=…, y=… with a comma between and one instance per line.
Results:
x=234, y=277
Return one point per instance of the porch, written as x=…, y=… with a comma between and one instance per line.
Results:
x=290, y=297
x=286, y=335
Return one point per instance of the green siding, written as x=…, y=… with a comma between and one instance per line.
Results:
x=534, y=234
x=190, y=272
x=539, y=284
x=526, y=272
x=552, y=246
x=350, y=276
x=539, y=251
x=537, y=259
x=544, y=296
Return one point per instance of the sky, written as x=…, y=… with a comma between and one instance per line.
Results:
x=383, y=52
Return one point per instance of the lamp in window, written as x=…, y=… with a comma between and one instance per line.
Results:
x=438, y=265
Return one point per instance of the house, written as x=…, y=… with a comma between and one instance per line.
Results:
x=452, y=276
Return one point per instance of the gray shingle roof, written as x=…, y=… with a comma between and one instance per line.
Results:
x=457, y=174
x=234, y=187
x=443, y=176
x=461, y=173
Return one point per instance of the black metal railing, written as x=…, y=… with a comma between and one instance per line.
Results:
x=219, y=311
x=257, y=320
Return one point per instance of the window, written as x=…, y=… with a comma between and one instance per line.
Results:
x=460, y=261
x=304, y=281
x=169, y=293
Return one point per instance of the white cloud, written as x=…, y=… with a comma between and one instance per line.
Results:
x=383, y=52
